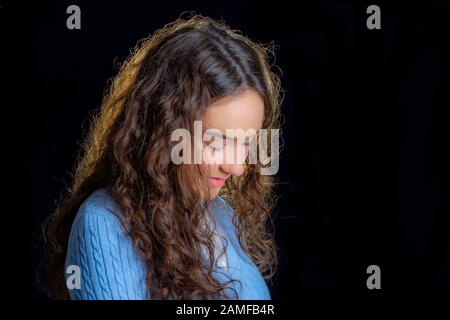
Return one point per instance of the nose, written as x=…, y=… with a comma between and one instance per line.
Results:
x=233, y=169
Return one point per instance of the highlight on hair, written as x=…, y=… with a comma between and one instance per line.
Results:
x=168, y=82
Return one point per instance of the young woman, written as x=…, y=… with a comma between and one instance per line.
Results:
x=135, y=224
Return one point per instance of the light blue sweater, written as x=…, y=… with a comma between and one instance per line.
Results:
x=110, y=268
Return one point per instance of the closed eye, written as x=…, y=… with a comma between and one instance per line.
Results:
x=212, y=147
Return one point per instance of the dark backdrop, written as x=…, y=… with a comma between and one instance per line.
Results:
x=361, y=170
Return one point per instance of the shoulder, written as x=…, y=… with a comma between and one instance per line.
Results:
x=98, y=222
x=222, y=210
x=100, y=204
x=224, y=204
x=111, y=268
x=99, y=214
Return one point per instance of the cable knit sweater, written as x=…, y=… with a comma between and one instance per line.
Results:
x=111, y=269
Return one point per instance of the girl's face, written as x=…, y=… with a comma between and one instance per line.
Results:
x=243, y=115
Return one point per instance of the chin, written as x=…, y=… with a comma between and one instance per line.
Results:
x=214, y=192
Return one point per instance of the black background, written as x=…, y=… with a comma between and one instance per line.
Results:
x=361, y=170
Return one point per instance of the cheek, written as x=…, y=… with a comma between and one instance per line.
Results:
x=213, y=156
x=211, y=169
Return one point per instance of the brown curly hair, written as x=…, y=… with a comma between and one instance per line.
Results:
x=168, y=81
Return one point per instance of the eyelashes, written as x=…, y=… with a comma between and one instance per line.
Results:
x=219, y=147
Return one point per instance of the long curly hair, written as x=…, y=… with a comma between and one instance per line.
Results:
x=168, y=81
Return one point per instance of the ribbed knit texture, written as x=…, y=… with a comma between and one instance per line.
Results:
x=111, y=269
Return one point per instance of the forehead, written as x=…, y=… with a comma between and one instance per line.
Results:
x=245, y=111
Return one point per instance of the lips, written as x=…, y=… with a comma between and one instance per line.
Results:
x=216, y=182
